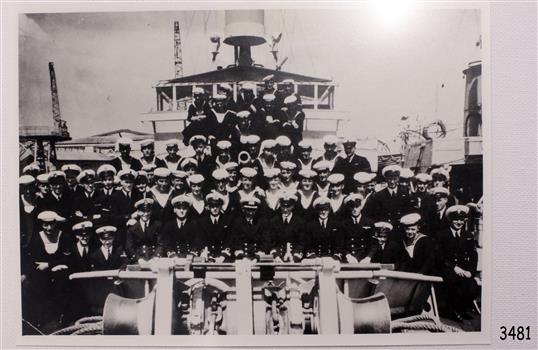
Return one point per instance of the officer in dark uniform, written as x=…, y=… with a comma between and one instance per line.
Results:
x=143, y=233
x=457, y=264
x=123, y=201
x=422, y=200
x=179, y=236
x=358, y=231
x=214, y=227
x=107, y=256
x=437, y=220
x=247, y=230
x=71, y=172
x=351, y=164
x=324, y=236
x=385, y=250
x=285, y=239
x=391, y=203
x=85, y=203
x=125, y=161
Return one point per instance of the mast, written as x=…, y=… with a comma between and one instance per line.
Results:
x=178, y=62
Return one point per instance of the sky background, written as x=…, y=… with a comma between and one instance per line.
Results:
x=387, y=63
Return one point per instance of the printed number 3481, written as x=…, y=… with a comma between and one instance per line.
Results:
x=515, y=333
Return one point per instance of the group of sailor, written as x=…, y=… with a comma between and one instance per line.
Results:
x=242, y=193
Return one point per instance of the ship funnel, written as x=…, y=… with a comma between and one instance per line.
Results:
x=244, y=28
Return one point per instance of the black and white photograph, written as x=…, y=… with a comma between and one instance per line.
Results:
x=253, y=171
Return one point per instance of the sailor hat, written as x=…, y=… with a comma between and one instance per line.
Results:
x=106, y=232
x=391, y=170
x=283, y=141
x=271, y=173
x=219, y=97
x=82, y=226
x=147, y=142
x=406, y=173
x=162, y=172
x=410, y=219
x=196, y=179
x=248, y=172
x=290, y=99
x=336, y=179
x=288, y=81
x=248, y=86
x=382, y=226
x=56, y=175
x=363, y=177
x=124, y=141
x=440, y=191
x=144, y=204
x=178, y=174
x=307, y=173
x=224, y=145
x=287, y=196
x=268, y=77
x=188, y=162
x=198, y=91
x=288, y=165
x=43, y=178
x=230, y=166
x=268, y=144
x=269, y=97
x=304, y=145
x=30, y=168
x=253, y=139
x=250, y=202
x=457, y=212
x=26, y=180
x=321, y=201
x=106, y=168
x=85, y=175
x=149, y=168
x=182, y=199
x=356, y=198
x=220, y=174
x=330, y=140
x=188, y=152
x=440, y=173
x=214, y=197
x=226, y=86
x=127, y=174
x=171, y=143
x=71, y=167
x=349, y=141
x=322, y=165
x=49, y=216
x=141, y=174
x=197, y=138
x=243, y=114
x=424, y=178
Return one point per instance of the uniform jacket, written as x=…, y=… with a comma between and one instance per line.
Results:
x=214, y=236
x=387, y=208
x=247, y=237
x=280, y=233
x=182, y=240
x=358, y=237
x=349, y=167
x=136, y=237
x=115, y=260
x=423, y=260
x=324, y=241
x=452, y=251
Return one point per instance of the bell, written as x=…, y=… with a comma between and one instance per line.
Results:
x=124, y=316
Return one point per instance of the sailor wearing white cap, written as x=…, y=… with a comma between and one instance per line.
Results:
x=42, y=185
x=247, y=187
x=330, y=145
x=306, y=192
x=86, y=203
x=197, y=115
x=223, y=151
x=292, y=119
x=147, y=146
x=58, y=199
x=287, y=173
x=27, y=204
x=437, y=220
x=406, y=175
x=220, y=181
x=272, y=176
x=125, y=160
x=323, y=169
x=422, y=200
x=419, y=254
x=440, y=177
x=171, y=160
x=31, y=169
x=196, y=183
x=246, y=97
x=283, y=148
x=336, y=194
x=304, y=151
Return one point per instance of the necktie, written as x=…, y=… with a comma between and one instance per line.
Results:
x=355, y=220
x=323, y=224
x=215, y=221
x=109, y=253
x=84, y=252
